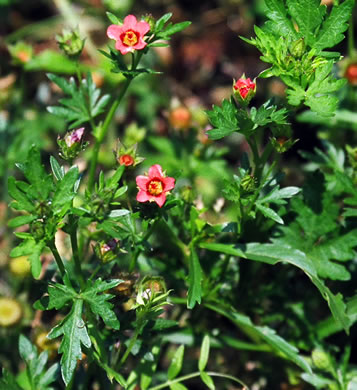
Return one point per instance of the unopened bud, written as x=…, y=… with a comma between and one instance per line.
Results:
x=244, y=90
x=70, y=43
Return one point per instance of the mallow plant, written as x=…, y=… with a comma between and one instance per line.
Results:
x=147, y=269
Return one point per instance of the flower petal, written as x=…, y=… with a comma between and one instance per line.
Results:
x=142, y=27
x=143, y=196
x=161, y=199
x=122, y=48
x=155, y=171
x=140, y=45
x=142, y=181
x=114, y=31
x=169, y=183
x=130, y=23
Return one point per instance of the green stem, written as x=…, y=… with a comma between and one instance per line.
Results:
x=263, y=160
x=104, y=128
x=130, y=347
x=196, y=374
x=58, y=259
x=74, y=243
x=103, y=132
x=351, y=43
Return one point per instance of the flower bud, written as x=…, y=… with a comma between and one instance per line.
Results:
x=321, y=359
x=127, y=156
x=107, y=251
x=180, y=118
x=297, y=48
x=72, y=144
x=351, y=74
x=248, y=183
x=282, y=144
x=244, y=90
x=70, y=42
x=10, y=312
x=21, y=53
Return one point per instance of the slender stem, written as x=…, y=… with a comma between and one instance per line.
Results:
x=58, y=259
x=262, y=161
x=130, y=347
x=196, y=374
x=103, y=132
x=74, y=243
x=351, y=43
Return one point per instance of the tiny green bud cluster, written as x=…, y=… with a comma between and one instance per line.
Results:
x=70, y=42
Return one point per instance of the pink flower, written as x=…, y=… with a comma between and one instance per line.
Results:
x=153, y=188
x=129, y=36
x=74, y=137
x=244, y=87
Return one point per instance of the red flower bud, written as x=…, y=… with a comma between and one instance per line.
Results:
x=126, y=160
x=244, y=89
x=351, y=74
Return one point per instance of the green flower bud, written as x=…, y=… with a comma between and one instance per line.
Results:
x=282, y=144
x=321, y=359
x=248, y=183
x=70, y=42
x=297, y=48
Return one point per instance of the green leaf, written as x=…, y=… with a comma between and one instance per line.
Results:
x=98, y=301
x=161, y=22
x=331, y=32
x=308, y=14
x=27, y=350
x=223, y=119
x=57, y=170
x=8, y=381
x=21, y=220
x=173, y=29
x=228, y=249
x=267, y=334
x=22, y=202
x=204, y=353
x=274, y=253
x=36, y=174
x=207, y=380
x=269, y=213
x=277, y=194
x=278, y=14
x=62, y=198
x=176, y=363
x=59, y=295
x=194, y=281
x=84, y=102
x=74, y=333
x=113, y=18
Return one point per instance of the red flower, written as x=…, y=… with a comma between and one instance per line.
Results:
x=153, y=187
x=129, y=36
x=244, y=86
x=126, y=160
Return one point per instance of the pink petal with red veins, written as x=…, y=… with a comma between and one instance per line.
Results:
x=142, y=196
x=114, y=31
x=142, y=181
x=169, y=183
x=142, y=27
x=130, y=23
x=161, y=199
x=155, y=171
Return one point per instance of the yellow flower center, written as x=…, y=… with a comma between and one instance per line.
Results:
x=129, y=38
x=155, y=187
